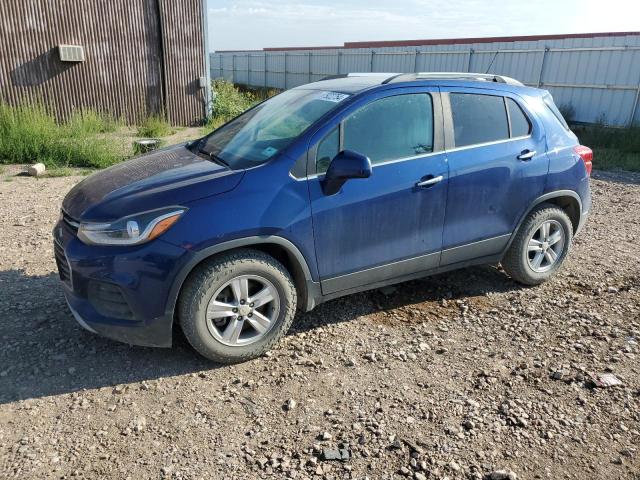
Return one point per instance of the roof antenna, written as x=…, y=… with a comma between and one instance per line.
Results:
x=492, y=60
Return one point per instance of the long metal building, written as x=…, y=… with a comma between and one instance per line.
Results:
x=593, y=76
x=129, y=58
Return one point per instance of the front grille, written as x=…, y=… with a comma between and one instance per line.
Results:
x=64, y=270
x=109, y=300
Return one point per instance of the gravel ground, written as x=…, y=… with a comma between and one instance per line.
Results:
x=461, y=375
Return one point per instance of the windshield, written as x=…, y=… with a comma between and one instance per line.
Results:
x=258, y=134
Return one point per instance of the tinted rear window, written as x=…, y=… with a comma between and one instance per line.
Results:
x=478, y=118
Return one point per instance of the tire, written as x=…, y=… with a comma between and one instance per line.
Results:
x=207, y=325
x=523, y=262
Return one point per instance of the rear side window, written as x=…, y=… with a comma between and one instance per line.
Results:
x=391, y=128
x=478, y=118
x=520, y=125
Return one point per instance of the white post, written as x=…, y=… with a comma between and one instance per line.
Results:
x=207, y=63
x=544, y=57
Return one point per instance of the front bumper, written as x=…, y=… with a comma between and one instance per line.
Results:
x=154, y=333
x=133, y=303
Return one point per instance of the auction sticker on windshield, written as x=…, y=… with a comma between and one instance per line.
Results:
x=332, y=96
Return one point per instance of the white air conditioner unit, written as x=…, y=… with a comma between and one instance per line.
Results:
x=71, y=53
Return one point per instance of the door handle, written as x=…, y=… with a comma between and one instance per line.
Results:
x=430, y=181
x=526, y=155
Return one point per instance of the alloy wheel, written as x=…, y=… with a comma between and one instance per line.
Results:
x=243, y=310
x=545, y=246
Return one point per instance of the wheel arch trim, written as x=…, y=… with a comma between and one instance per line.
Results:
x=541, y=199
x=311, y=287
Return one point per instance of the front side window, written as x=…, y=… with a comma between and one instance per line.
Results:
x=258, y=134
x=478, y=118
x=387, y=129
x=328, y=148
x=391, y=128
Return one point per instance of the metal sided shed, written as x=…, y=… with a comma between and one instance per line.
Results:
x=127, y=58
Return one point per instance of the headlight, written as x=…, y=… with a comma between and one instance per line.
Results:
x=131, y=230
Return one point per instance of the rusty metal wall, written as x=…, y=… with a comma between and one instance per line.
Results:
x=183, y=48
x=140, y=56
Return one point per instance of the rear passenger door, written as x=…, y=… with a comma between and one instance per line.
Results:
x=497, y=166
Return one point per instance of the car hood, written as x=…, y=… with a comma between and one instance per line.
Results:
x=171, y=176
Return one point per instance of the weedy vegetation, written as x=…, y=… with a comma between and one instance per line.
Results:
x=229, y=101
x=613, y=148
x=155, y=126
x=30, y=133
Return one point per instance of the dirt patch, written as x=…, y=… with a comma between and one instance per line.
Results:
x=457, y=375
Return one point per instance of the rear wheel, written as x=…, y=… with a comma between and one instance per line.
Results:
x=236, y=306
x=540, y=246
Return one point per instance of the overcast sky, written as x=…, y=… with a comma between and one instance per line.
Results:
x=254, y=24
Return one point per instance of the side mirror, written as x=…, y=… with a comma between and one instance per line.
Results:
x=344, y=166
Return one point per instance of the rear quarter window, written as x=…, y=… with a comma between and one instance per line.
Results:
x=520, y=124
x=548, y=101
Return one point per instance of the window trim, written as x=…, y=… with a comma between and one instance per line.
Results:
x=374, y=165
x=485, y=144
x=506, y=109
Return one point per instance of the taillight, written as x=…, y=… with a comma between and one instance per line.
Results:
x=586, y=154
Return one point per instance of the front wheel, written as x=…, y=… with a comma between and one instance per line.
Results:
x=236, y=306
x=540, y=246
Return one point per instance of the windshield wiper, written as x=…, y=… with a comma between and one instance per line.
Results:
x=214, y=158
x=219, y=160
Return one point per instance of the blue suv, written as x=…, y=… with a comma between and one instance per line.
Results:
x=339, y=186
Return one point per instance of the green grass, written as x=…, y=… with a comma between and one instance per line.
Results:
x=30, y=134
x=230, y=101
x=89, y=121
x=155, y=126
x=613, y=148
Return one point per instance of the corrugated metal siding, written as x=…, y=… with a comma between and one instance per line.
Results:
x=122, y=73
x=599, y=76
x=183, y=49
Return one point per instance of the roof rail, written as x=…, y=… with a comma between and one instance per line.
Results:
x=370, y=74
x=486, y=77
x=362, y=74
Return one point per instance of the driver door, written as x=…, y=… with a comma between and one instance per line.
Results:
x=389, y=225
